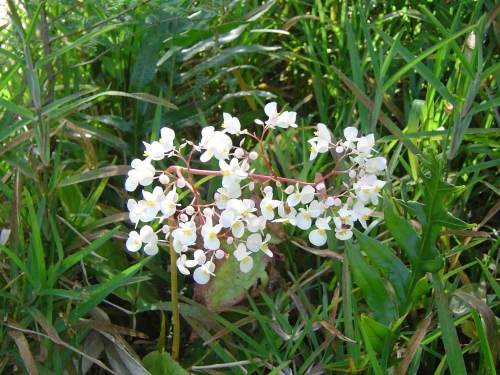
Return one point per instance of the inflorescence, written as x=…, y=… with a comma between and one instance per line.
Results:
x=196, y=231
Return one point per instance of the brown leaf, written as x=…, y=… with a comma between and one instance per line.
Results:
x=413, y=346
x=24, y=351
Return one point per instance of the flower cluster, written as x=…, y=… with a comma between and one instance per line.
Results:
x=233, y=222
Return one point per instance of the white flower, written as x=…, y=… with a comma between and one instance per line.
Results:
x=134, y=242
x=375, y=165
x=365, y=144
x=199, y=259
x=267, y=206
x=271, y=110
x=323, y=133
x=342, y=231
x=154, y=151
x=186, y=233
x=142, y=174
x=202, y=274
x=232, y=173
x=318, y=146
x=363, y=213
x=305, y=196
x=218, y=145
x=228, y=219
x=347, y=216
x=367, y=188
x=287, y=119
x=304, y=220
x=146, y=235
x=243, y=256
x=231, y=124
x=169, y=203
x=181, y=265
x=318, y=236
x=287, y=214
x=138, y=211
x=153, y=201
x=255, y=243
x=167, y=139
x=209, y=233
x=152, y=247
x=350, y=135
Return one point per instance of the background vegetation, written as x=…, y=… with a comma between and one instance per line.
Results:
x=83, y=83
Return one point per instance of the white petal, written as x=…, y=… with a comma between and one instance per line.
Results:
x=246, y=264
x=317, y=238
x=201, y=276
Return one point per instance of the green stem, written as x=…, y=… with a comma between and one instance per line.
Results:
x=175, y=304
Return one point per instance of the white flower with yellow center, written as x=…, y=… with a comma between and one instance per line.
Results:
x=267, y=206
x=210, y=233
x=363, y=213
x=351, y=137
x=342, y=231
x=318, y=236
x=202, y=274
x=169, y=204
x=255, y=243
x=186, y=233
x=243, y=256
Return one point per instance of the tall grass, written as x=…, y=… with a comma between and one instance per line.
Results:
x=82, y=84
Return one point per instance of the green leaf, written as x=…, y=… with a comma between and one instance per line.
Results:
x=162, y=364
x=229, y=286
x=371, y=284
x=377, y=333
x=390, y=266
x=402, y=231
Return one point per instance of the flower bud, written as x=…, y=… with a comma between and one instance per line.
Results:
x=253, y=155
x=361, y=172
x=208, y=211
x=219, y=254
x=164, y=179
x=320, y=186
x=239, y=153
x=330, y=201
x=165, y=229
x=183, y=217
x=230, y=240
x=349, y=201
x=251, y=186
x=268, y=190
x=337, y=202
x=290, y=189
x=339, y=149
x=352, y=173
x=189, y=210
x=184, y=248
x=258, y=122
x=181, y=183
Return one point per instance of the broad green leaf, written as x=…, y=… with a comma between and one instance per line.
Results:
x=162, y=364
x=377, y=333
x=229, y=286
x=389, y=265
x=371, y=284
x=401, y=230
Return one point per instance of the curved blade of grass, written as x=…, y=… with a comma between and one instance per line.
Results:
x=20, y=264
x=450, y=338
x=71, y=260
x=490, y=339
x=104, y=290
x=416, y=63
x=84, y=39
x=113, y=170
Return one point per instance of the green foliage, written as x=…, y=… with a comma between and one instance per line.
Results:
x=83, y=84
